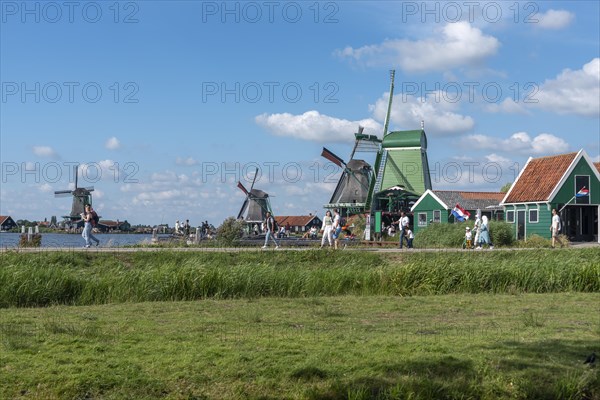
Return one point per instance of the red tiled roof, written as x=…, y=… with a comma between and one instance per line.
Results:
x=3, y=218
x=300, y=220
x=109, y=223
x=477, y=195
x=597, y=165
x=540, y=177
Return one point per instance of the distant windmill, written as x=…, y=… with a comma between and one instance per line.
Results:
x=353, y=187
x=256, y=204
x=81, y=197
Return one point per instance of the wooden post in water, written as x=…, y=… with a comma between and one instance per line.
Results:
x=155, y=235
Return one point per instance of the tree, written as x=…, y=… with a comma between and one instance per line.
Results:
x=506, y=187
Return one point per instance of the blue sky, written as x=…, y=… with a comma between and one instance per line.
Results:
x=166, y=105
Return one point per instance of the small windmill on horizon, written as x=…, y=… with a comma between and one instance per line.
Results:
x=82, y=196
x=255, y=205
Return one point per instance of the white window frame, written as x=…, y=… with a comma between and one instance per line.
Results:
x=439, y=216
x=537, y=210
x=508, y=219
x=424, y=223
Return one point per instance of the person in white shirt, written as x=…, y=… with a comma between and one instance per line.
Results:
x=555, y=229
x=402, y=224
x=327, y=229
x=409, y=237
x=336, y=228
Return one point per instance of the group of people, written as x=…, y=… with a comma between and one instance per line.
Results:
x=185, y=228
x=482, y=233
x=331, y=228
x=182, y=228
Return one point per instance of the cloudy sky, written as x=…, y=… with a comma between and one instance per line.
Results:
x=166, y=105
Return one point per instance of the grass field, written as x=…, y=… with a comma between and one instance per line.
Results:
x=430, y=347
x=300, y=325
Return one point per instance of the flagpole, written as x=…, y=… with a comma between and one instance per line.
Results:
x=563, y=207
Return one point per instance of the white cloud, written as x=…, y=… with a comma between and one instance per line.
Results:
x=554, y=19
x=408, y=111
x=45, y=151
x=45, y=188
x=456, y=44
x=93, y=172
x=188, y=162
x=495, y=158
x=113, y=143
x=521, y=142
x=507, y=106
x=315, y=126
x=572, y=92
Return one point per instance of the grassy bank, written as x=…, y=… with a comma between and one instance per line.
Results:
x=434, y=347
x=98, y=278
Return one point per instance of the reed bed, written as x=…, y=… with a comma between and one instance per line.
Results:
x=34, y=280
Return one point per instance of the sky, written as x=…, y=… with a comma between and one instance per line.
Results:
x=165, y=105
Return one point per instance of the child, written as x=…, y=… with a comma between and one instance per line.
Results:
x=409, y=236
x=468, y=244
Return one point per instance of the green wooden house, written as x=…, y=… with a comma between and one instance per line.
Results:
x=570, y=183
x=435, y=206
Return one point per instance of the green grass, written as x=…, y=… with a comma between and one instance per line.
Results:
x=482, y=346
x=28, y=280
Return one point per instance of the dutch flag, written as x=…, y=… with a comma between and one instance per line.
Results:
x=460, y=214
x=583, y=192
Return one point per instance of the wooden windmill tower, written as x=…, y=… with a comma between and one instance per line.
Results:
x=255, y=205
x=81, y=198
x=402, y=168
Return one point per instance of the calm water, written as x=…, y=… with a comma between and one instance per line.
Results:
x=75, y=240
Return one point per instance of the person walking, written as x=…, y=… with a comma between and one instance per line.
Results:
x=477, y=228
x=327, y=229
x=555, y=228
x=402, y=224
x=409, y=237
x=336, y=228
x=270, y=228
x=89, y=223
x=484, y=236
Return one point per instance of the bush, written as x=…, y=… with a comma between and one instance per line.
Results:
x=230, y=232
x=501, y=233
x=453, y=235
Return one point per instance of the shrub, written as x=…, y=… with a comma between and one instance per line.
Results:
x=230, y=232
x=501, y=233
x=453, y=235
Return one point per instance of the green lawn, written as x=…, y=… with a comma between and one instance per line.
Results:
x=457, y=346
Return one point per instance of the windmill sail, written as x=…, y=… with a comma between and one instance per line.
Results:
x=256, y=204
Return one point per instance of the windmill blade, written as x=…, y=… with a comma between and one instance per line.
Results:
x=332, y=157
x=63, y=193
x=76, y=168
x=242, y=188
x=254, y=180
x=243, y=209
